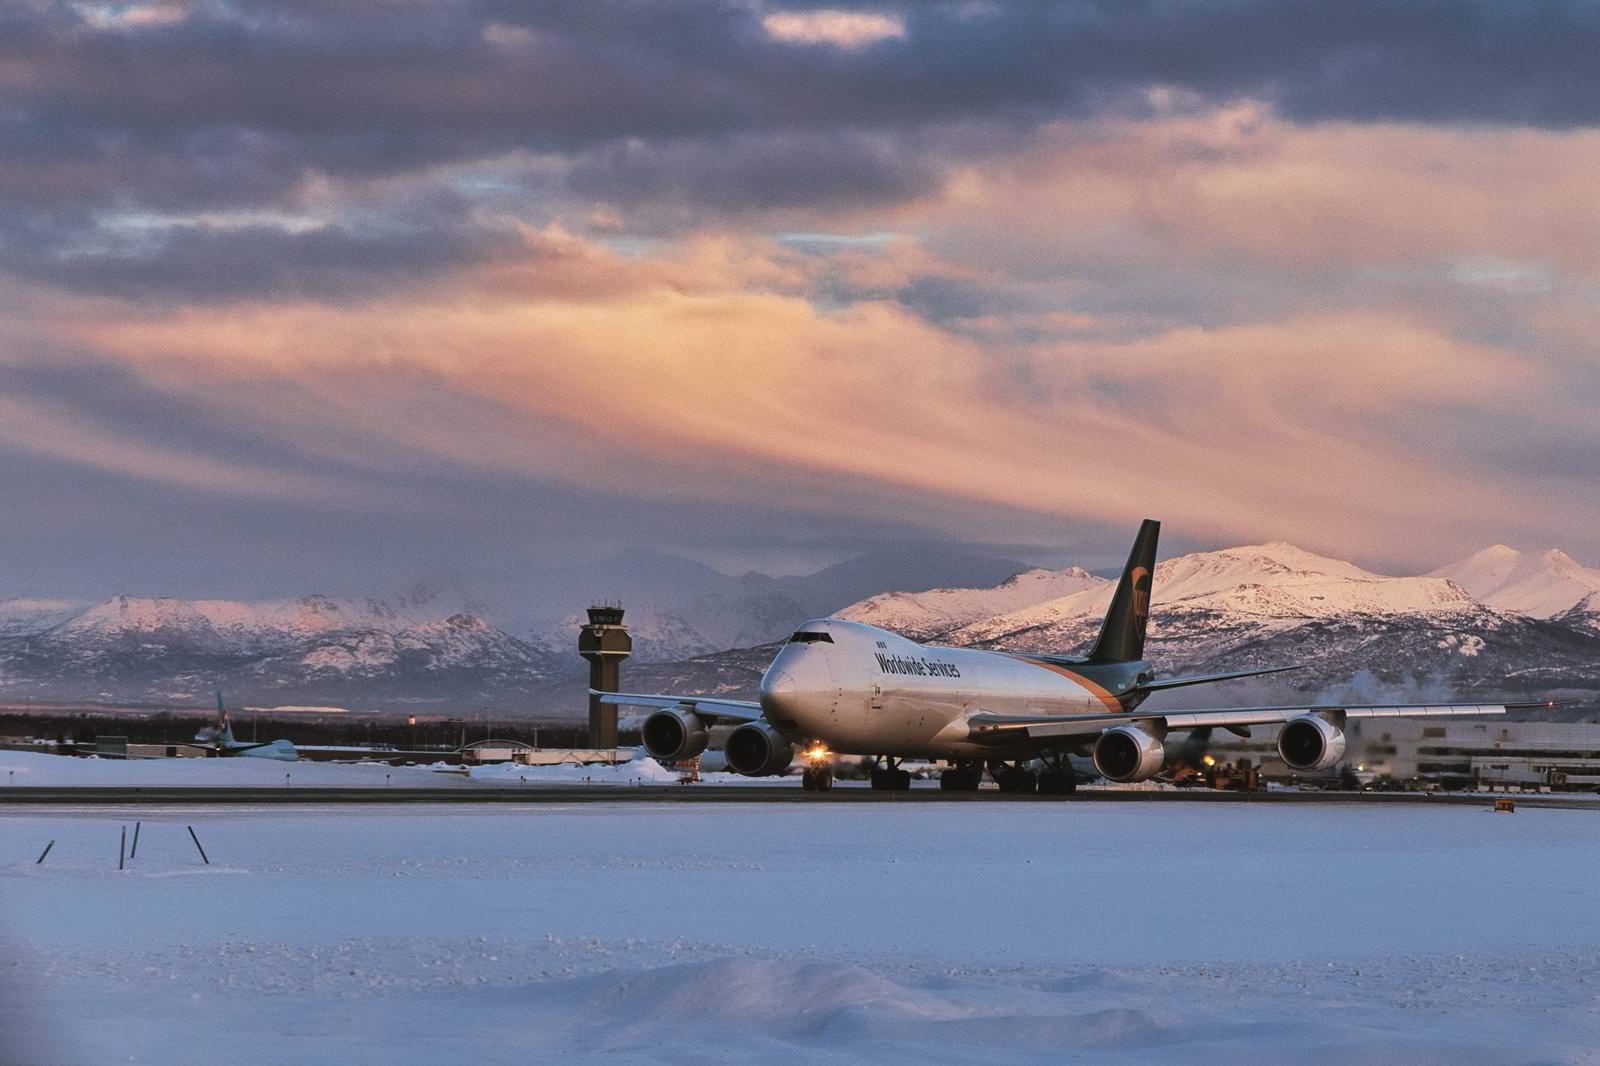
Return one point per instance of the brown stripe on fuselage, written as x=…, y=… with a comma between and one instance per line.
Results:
x=1098, y=691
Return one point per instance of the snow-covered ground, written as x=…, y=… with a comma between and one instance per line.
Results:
x=967, y=933
x=28, y=768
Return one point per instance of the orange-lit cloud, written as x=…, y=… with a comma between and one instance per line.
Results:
x=979, y=271
x=844, y=29
x=605, y=368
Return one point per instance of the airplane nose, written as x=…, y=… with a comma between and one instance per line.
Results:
x=781, y=698
x=797, y=690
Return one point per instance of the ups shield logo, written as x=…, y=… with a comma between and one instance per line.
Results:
x=1141, y=592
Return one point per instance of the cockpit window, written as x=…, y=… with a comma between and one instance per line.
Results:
x=803, y=637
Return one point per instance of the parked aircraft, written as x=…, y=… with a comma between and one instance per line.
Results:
x=220, y=737
x=845, y=687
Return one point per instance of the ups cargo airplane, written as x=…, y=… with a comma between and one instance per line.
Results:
x=841, y=687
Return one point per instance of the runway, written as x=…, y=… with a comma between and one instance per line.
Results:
x=76, y=795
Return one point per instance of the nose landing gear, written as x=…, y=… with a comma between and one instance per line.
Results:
x=817, y=778
x=818, y=774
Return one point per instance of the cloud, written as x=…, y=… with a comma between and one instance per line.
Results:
x=692, y=378
x=842, y=29
x=62, y=433
x=1290, y=270
x=239, y=105
x=730, y=177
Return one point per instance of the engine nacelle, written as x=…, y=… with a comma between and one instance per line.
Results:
x=1310, y=742
x=673, y=734
x=1128, y=753
x=757, y=750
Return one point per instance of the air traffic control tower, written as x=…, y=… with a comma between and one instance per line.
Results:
x=605, y=643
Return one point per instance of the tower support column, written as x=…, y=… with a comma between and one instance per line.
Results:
x=605, y=643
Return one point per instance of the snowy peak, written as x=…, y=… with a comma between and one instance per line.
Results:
x=925, y=614
x=1265, y=562
x=240, y=620
x=1277, y=582
x=1286, y=581
x=21, y=616
x=316, y=647
x=1542, y=584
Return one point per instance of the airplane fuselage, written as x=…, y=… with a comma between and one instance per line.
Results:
x=862, y=690
x=281, y=750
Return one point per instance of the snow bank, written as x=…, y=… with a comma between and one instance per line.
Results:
x=22, y=768
x=637, y=769
x=37, y=768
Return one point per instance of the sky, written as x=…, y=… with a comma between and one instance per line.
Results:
x=339, y=294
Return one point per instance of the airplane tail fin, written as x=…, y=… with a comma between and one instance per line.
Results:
x=1122, y=633
x=224, y=728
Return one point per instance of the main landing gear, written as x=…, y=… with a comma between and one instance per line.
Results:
x=1056, y=783
x=1013, y=778
x=1055, y=779
x=889, y=777
x=964, y=776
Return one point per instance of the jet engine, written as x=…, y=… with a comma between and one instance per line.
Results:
x=1128, y=753
x=674, y=734
x=757, y=750
x=1310, y=742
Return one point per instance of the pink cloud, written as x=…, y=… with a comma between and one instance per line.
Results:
x=842, y=29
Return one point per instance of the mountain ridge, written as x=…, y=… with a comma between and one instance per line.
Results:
x=1232, y=608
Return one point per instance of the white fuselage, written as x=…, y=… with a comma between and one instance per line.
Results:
x=862, y=690
x=282, y=750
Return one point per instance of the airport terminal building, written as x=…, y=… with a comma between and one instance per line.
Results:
x=1489, y=753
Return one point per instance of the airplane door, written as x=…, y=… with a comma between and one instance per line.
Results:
x=877, y=697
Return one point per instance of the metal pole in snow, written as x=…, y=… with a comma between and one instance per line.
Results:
x=134, y=852
x=197, y=844
x=45, y=852
x=122, y=848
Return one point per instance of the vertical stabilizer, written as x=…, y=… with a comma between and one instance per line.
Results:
x=224, y=728
x=1122, y=634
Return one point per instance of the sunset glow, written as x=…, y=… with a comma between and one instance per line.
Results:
x=980, y=273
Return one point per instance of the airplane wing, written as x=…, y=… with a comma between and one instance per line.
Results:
x=705, y=706
x=1162, y=683
x=998, y=727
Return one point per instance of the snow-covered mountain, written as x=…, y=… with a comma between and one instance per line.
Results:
x=678, y=609
x=923, y=615
x=1358, y=634
x=435, y=642
x=1546, y=584
x=314, y=647
x=20, y=616
x=1272, y=584
x=1500, y=622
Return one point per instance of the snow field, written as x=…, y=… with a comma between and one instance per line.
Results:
x=738, y=933
x=27, y=768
